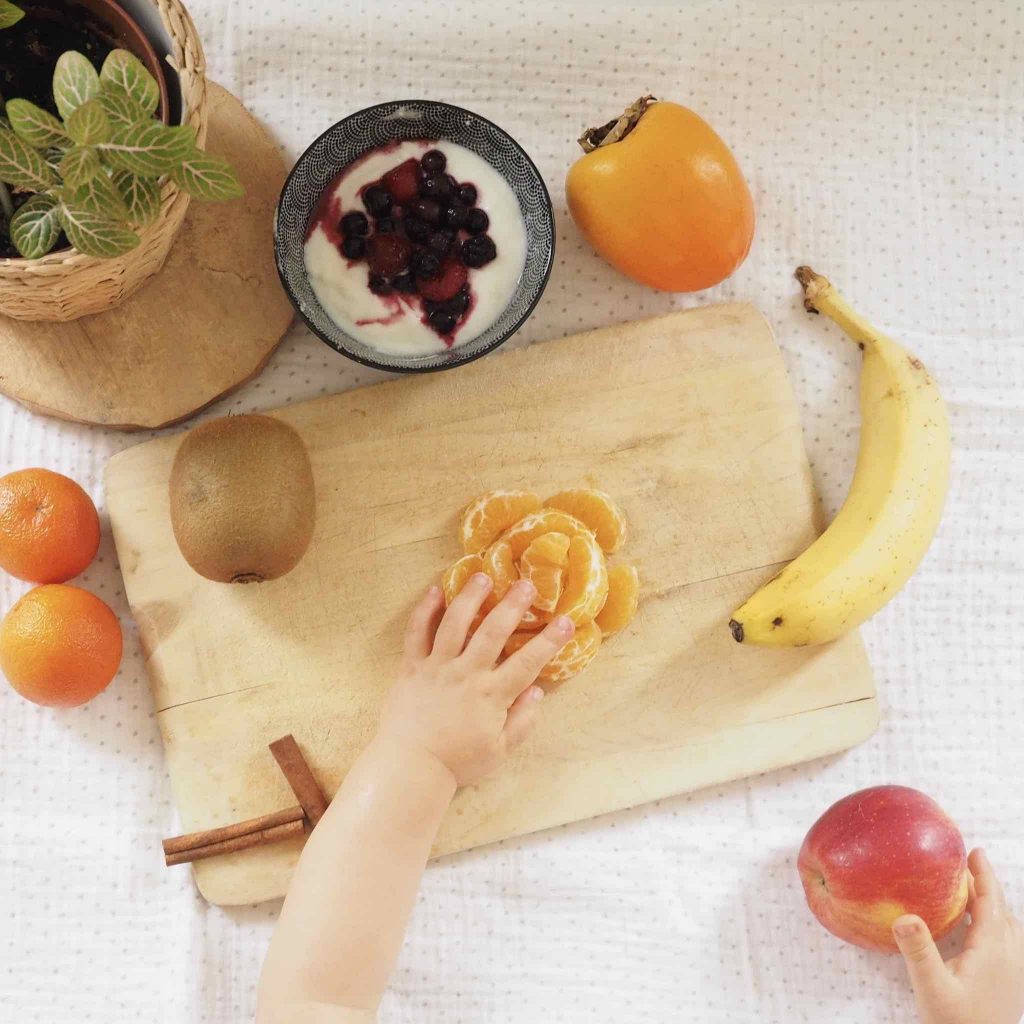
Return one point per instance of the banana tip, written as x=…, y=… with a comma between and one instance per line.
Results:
x=736, y=628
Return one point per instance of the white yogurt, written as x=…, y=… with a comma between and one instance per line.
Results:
x=395, y=323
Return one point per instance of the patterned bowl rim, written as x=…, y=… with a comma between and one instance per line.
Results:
x=456, y=360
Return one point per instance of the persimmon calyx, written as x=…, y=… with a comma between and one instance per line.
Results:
x=617, y=129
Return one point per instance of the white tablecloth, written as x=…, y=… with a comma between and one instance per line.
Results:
x=884, y=143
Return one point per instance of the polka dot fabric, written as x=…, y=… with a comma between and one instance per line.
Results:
x=884, y=144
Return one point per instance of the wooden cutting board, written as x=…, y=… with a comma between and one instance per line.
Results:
x=688, y=420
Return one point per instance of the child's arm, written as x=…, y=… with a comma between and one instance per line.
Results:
x=985, y=983
x=449, y=720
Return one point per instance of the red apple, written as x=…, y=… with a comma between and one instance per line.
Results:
x=879, y=854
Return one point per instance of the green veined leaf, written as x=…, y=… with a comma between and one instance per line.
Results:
x=75, y=82
x=125, y=72
x=121, y=109
x=21, y=165
x=96, y=236
x=101, y=197
x=38, y=127
x=149, y=148
x=141, y=196
x=89, y=124
x=9, y=14
x=207, y=177
x=35, y=226
x=79, y=165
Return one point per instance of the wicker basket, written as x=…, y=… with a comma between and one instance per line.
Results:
x=66, y=285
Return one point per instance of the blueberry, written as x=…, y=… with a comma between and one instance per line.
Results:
x=440, y=242
x=404, y=283
x=417, y=230
x=354, y=223
x=425, y=265
x=466, y=194
x=379, y=284
x=455, y=216
x=479, y=251
x=427, y=209
x=458, y=303
x=434, y=161
x=377, y=200
x=385, y=225
x=435, y=187
x=477, y=222
x=442, y=322
x=353, y=247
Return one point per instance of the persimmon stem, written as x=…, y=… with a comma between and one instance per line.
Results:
x=618, y=129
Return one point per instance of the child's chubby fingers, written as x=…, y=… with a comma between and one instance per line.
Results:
x=451, y=634
x=523, y=668
x=419, y=634
x=522, y=716
x=987, y=887
x=920, y=954
x=486, y=646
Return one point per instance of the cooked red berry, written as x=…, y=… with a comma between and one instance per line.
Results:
x=466, y=194
x=477, y=222
x=354, y=223
x=436, y=187
x=434, y=161
x=428, y=210
x=388, y=254
x=379, y=284
x=442, y=322
x=425, y=265
x=447, y=284
x=403, y=181
x=479, y=251
x=377, y=200
x=417, y=230
x=353, y=247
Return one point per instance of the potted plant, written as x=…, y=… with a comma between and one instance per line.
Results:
x=96, y=184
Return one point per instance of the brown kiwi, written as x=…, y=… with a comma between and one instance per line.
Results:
x=242, y=499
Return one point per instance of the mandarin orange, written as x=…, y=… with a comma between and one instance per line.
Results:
x=586, y=584
x=571, y=660
x=597, y=511
x=60, y=645
x=490, y=515
x=49, y=529
x=623, y=599
x=543, y=564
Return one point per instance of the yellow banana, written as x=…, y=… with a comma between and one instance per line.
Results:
x=891, y=513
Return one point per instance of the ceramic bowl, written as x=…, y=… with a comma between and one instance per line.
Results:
x=412, y=119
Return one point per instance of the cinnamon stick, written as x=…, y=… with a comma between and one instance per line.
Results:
x=247, y=841
x=296, y=770
x=195, y=840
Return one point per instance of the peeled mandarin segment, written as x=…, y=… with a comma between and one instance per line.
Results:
x=498, y=564
x=623, y=599
x=548, y=520
x=458, y=573
x=490, y=515
x=532, y=620
x=597, y=511
x=543, y=564
x=586, y=585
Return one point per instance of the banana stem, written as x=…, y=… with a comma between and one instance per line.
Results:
x=821, y=296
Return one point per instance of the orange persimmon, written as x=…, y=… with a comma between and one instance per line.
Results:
x=660, y=196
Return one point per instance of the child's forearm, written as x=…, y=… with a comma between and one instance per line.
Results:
x=345, y=916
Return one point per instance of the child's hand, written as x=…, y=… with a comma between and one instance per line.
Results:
x=450, y=701
x=985, y=983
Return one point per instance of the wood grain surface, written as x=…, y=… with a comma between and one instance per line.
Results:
x=202, y=327
x=688, y=420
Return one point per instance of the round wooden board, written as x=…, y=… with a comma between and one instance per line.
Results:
x=198, y=330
